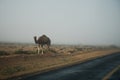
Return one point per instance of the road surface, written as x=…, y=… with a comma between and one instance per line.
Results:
x=91, y=70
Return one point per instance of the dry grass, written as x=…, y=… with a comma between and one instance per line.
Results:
x=23, y=59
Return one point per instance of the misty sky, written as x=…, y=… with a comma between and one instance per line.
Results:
x=64, y=21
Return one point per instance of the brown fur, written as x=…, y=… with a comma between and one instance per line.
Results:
x=43, y=40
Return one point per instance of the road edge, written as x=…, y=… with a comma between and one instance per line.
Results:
x=106, y=77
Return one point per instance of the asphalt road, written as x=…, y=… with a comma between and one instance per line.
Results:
x=91, y=70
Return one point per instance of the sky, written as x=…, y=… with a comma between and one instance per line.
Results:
x=94, y=22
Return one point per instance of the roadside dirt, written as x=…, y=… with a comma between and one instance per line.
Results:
x=23, y=64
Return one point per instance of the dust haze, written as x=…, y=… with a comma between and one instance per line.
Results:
x=95, y=22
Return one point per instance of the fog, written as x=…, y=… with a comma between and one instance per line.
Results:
x=95, y=22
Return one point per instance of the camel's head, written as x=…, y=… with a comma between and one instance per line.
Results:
x=35, y=39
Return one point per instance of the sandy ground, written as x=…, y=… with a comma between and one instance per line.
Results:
x=13, y=65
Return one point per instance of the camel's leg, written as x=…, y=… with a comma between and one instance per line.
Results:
x=45, y=47
x=41, y=48
x=48, y=47
x=38, y=49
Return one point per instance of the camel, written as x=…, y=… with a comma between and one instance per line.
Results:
x=42, y=41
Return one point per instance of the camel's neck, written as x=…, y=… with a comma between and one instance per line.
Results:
x=35, y=39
